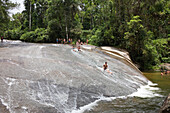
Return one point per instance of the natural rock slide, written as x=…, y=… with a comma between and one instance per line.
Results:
x=52, y=78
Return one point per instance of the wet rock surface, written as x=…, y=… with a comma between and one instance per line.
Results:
x=50, y=77
x=3, y=108
x=166, y=105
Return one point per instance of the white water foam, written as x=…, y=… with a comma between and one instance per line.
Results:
x=14, y=42
x=86, y=107
x=91, y=105
x=146, y=91
x=9, y=81
x=4, y=103
x=23, y=107
x=41, y=47
x=56, y=45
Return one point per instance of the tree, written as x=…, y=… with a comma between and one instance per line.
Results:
x=5, y=5
x=35, y=14
x=139, y=44
x=61, y=17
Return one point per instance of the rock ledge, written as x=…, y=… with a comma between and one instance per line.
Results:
x=166, y=105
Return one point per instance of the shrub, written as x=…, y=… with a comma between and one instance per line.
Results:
x=14, y=34
x=163, y=49
x=39, y=35
x=97, y=38
x=28, y=36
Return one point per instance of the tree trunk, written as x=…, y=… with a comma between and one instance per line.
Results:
x=66, y=32
x=30, y=18
x=66, y=27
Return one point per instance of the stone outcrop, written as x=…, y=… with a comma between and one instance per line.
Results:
x=52, y=78
x=116, y=51
x=166, y=106
x=119, y=54
x=165, y=66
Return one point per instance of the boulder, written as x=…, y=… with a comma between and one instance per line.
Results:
x=166, y=105
x=165, y=66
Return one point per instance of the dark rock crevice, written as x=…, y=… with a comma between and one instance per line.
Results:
x=3, y=108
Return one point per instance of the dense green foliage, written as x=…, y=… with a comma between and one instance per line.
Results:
x=139, y=26
x=14, y=34
x=39, y=35
x=5, y=5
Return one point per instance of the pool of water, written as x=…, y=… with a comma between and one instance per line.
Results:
x=162, y=81
x=149, y=101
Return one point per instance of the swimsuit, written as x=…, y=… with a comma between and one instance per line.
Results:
x=105, y=67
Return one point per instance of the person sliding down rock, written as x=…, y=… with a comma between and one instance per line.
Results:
x=105, y=67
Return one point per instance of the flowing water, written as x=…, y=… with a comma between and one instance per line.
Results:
x=148, y=99
x=52, y=78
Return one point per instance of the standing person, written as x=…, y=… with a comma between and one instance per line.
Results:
x=78, y=45
x=60, y=40
x=105, y=67
x=57, y=40
x=64, y=40
x=1, y=38
x=162, y=71
x=87, y=41
x=166, y=71
x=69, y=40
